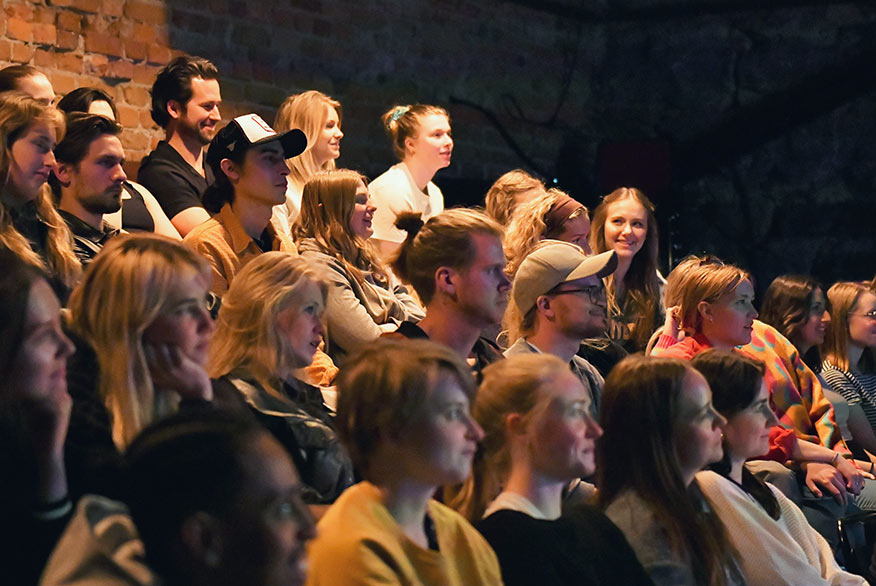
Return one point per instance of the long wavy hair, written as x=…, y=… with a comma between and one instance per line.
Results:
x=641, y=282
x=307, y=111
x=326, y=207
x=843, y=297
x=509, y=386
x=18, y=112
x=529, y=226
x=640, y=411
x=125, y=289
x=246, y=340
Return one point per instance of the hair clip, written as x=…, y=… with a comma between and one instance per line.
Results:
x=399, y=112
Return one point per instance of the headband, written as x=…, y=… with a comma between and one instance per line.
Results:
x=558, y=213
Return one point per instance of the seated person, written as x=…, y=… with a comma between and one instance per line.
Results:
x=88, y=181
x=539, y=436
x=143, y=330
x=269, y=327
x=364, y=298
x=29, y=80
x=248, y=161
x=216, y=501
x=34, y=414
x=514, y=188
x=403, y=411
x=776, y=544
x=185, y=103
x=456, y=265
x=558, y=299
x=660, y=429
x=140, y=211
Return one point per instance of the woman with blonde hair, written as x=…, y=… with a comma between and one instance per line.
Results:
x=269, y=327
x=420, y=136
x=848, y=349
x=319, y=117
x=30, y=226
x=660, y=429
x=625, y=221
x=364, y=298
x=514, y=188
x=551, y=215
x=538, y=437
x=141, y=310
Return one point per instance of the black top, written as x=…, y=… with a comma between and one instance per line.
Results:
x=87, y=240
x=31, y=225
x=175, y=184
x=484, y=350
x=583, y=548
x=135, y=214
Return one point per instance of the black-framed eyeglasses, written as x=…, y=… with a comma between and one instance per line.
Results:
x=596, y=293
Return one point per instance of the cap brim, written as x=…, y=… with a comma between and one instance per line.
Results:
x=293, y=142
x=601, y=265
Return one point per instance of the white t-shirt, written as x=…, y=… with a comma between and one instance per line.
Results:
x=395, y=191
x=285, y=214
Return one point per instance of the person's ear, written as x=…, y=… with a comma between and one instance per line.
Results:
x=174, y=109
x=201, y=537
x=704, y=309
x=63, y=173
x=515, y=424
x=544, y=305
x=444, y=280
x=230, y=169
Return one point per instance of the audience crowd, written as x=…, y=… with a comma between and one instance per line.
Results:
x=257, y=367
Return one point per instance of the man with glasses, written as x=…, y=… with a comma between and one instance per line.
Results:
x=559, y=300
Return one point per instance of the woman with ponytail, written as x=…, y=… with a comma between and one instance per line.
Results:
x=29, y=224
x=539, y=436
x=420, y=136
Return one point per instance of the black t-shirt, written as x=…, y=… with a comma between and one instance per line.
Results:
x=175, y=184
x=135, y=214
x=484, y=351
x=583, y=548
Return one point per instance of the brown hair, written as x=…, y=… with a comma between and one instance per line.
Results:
x=504, y=195
x=383, y=389
x=697, y=279
x=403, y=122
x=444, y=240
x=327, y=203
x=642, y=285
x=641, y=408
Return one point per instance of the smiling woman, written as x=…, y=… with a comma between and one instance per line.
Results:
x=365, y=299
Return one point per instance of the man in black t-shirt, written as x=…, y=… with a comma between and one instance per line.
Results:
x=185, y=102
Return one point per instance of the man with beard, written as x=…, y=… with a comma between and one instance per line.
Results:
x=88, y=179
x=557, y=300
x=185, y=102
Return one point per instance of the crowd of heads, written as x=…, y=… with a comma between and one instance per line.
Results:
x=215, y=496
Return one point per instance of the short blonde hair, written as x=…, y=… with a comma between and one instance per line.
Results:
x=509, y=386
x=124, y=290
x=382, y=390
x=246, y=336
x=403, y=122
x=504, y=195
x=308, y=112
x=698, y=279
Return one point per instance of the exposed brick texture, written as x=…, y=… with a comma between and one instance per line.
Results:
x=672, y=80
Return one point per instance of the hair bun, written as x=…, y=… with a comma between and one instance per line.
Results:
x=410, y=222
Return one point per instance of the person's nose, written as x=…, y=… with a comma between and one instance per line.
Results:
x=474, y=430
